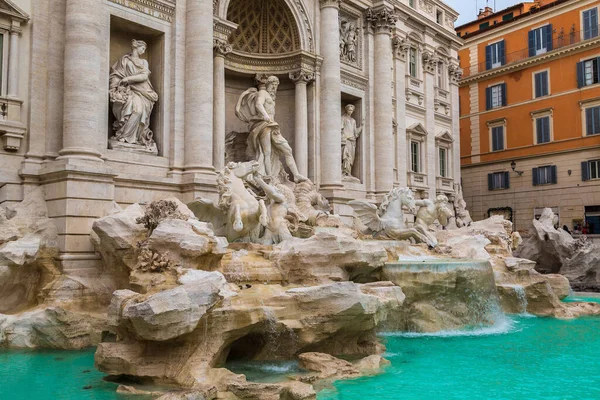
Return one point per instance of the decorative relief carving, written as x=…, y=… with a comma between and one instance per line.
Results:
x=222, y=47
x=400, y=46
x=450, y=21
x=455, y=73
x=265, y=27
x=350, y=42
x=429, y=61
x=426, y=6
x=161, y=9
x=382, y=20
x=280, y=65
x=302, y=76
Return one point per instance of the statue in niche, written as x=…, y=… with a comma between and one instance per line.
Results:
x=348, y=41
x=265, y=142
x=350, y=133
x=133, y=98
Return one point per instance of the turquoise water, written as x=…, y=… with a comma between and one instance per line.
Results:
x=52, y=375
x=524, y=358
x=531, y=358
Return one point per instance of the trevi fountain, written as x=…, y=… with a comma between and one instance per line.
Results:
x=268, y=216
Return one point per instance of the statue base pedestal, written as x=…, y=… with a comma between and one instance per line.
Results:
x=132, y=148
x=350, y=179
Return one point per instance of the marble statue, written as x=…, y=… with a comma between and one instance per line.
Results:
x=133, y=98
x=430, y=211
x=265, y=142
x=350, y=133
x=348, y=41
x=462, y=215
x=388, y=220
x=240, y=214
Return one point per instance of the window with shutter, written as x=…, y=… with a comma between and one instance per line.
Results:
x=494, y=55
x=544, y=175
x=585, y=171
x=592, y=120
x=540, y=82
x=590, y=23
x=593, y=168
x=415, y=156
x=498, y=138
x=542, y=128
x=498, y=180
x=496, y=96
x=540, y=40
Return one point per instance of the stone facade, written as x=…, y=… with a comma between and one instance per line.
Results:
x=395, y=61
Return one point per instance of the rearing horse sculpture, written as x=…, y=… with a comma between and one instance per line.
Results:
x=388, y=220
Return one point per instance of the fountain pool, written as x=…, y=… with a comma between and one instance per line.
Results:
x=523, y=358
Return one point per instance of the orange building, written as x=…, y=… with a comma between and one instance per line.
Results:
x=530, y=113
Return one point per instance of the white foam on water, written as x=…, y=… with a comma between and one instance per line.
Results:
x=279, y=368
x=501, y=327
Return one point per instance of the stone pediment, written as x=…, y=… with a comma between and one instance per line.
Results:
x=417, y=129
x=444, y=136
x=7, y=7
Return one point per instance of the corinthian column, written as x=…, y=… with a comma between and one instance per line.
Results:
x=301, y=79
x=221, y=49
x=330, y=105
x=83, y=137
x=13, y=63
x=199, y=87
x=429, y=66
x=383, y=21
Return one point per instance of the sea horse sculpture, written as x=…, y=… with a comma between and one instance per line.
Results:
x=388, y=220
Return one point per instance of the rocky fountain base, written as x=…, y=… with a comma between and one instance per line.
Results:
x=173, y=303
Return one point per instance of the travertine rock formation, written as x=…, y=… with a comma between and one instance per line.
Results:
x=40, y=305
x=556, y=251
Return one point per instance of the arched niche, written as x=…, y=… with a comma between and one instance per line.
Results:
x=297, y=10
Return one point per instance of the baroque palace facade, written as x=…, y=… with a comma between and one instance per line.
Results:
x=135, y=100
x=530, y=113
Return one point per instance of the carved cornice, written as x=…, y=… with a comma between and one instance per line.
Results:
x=354, y=80
x=401, y=47
x=302, y=76
x=330, y=3
x=221, y=47
x=161, y=9
x=382, y=20
x=279, y=65
x=222, y=29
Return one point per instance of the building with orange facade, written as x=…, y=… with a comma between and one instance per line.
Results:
x=530, y=113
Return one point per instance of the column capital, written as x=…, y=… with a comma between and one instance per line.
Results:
x=221, y=47
x=330, y=3
x=455, y=73
x=302, y=76
x=382, y=20
x=429, y=61
x=400, y=46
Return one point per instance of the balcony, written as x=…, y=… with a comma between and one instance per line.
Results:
x=444, y=185
x=12, y=131
x=560, y=40
x=417, y=180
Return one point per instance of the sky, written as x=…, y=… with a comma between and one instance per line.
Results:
x=468, y=9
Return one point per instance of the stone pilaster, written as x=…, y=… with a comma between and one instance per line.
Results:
x=400, y=49
x=199, y=172
x=83, y=135
x=455, y=74
x=78, y=186
x=382, y=21
x=13, y=61
x=330, y=99
x=429, y=63
x=221, y=49
x=301, y=79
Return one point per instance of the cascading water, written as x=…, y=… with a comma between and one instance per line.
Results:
x=445, y=295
